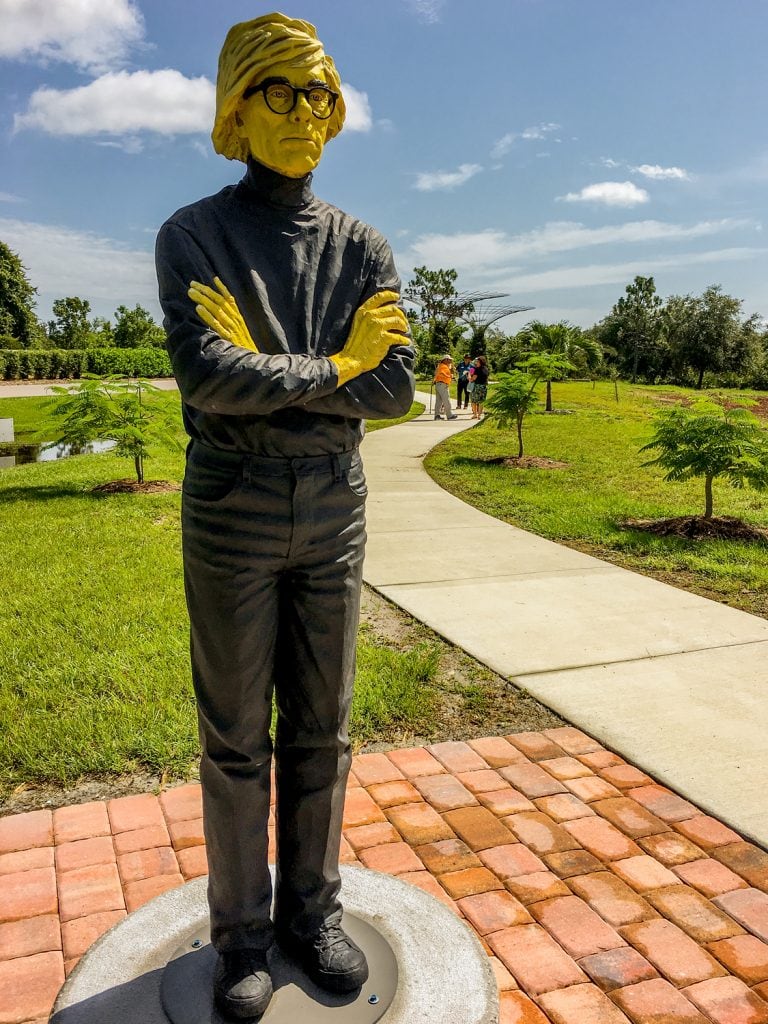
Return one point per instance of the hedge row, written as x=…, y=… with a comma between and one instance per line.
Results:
x=52, y=364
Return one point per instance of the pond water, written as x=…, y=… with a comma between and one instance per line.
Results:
x=14, y=453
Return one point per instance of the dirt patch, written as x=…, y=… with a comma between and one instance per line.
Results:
x=668, y=399
x=527, y=462
x=473, y=701
x=699, y=528
x=134, y=487
x=21, y=382
x=32, y=797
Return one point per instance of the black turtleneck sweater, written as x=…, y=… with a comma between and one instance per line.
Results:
x=298, y=269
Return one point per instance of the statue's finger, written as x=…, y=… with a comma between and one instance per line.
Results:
x=224, y=290
x=203, y=289
x=214, y=306
x=210, y=321
x=382, y=298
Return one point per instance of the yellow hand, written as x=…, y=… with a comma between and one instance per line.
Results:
x=377, y=325
x=219, y=311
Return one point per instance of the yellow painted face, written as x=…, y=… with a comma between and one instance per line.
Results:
x=290, y=143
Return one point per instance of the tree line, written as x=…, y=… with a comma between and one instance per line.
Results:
x=71, y=327
x=683, y=339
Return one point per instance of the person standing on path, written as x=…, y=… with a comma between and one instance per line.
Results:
x=285, y=333
x=479, y=379
x=462, y=382
x=442, y=380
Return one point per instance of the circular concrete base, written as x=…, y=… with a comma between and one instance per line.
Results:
x=186, y=991
x=443, y=973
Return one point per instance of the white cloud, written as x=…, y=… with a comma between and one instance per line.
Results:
x=491, y=251
x=609, y=193
x=359, y=117
x=426, y=10
x=130, y=144
x=123, y=103
x=505, y=143
x=597, y=274
x=539, y=131
x=662, y=173
x=92, y=34
x=62, y=261
x=654, y=171
x=9, y=197
x=431, y=181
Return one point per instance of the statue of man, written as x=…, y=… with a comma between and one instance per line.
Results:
x=285, y=334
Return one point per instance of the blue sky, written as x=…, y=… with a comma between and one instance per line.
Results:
x=548, y=149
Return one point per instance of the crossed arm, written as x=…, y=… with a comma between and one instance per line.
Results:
x=378, y=324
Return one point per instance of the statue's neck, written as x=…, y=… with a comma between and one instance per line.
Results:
x=271, y=187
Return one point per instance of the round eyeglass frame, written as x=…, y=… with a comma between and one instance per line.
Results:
x=262, y=87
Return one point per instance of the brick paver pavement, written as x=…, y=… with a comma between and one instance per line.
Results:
x=600, y=897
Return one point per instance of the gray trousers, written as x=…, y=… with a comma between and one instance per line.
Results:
x=442, y=399
x=273, y=552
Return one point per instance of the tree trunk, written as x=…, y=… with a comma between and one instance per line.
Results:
x=548, y=406
x=519, y=436
x=138, y=463
x=701, y=379
x=616, y=389
x=708, y=497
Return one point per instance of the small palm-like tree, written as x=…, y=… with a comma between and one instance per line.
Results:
x=514, y=394
x=560, y=339
x=710, y=440
x=110, y=408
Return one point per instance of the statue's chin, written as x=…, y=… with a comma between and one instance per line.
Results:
x=294, y=169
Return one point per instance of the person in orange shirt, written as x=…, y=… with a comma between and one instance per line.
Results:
x=443, y=375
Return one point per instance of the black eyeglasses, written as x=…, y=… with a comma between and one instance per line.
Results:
x=281, y=97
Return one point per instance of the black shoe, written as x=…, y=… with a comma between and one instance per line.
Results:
x=330, y=958
x=438, y=417
x=242, y=986
x=454, y=417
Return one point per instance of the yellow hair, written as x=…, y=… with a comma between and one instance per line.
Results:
x=250, y=49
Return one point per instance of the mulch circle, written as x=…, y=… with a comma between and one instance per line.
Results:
x=526, y=462
x=699, y=528
x=133, y=487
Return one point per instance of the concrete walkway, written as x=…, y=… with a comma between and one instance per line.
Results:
x=674, y=682
x=41, y=389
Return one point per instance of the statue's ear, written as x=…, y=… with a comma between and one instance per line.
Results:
x=239, y=126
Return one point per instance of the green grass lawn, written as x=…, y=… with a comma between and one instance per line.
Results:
x=604, y=483
x=94, y=675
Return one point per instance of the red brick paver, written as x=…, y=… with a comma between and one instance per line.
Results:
x=28, y=986
x=656, y=1002
x=728, y=1001
x=600, y=896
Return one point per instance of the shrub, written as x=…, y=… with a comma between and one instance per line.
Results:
x=711, y=440
x=114, y=409
x=73, y=363
x=11, y=361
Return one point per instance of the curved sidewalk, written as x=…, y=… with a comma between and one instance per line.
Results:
x=674, y=682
